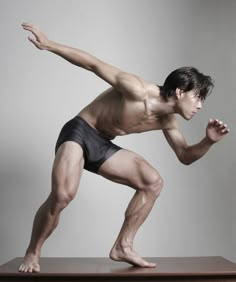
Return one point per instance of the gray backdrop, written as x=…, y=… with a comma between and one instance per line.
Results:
x=195, y=214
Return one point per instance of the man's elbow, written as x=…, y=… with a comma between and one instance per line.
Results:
x=184, y=159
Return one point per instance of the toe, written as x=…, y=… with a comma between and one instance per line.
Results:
x=25, y=269
x=36, y=268
x=30, y=269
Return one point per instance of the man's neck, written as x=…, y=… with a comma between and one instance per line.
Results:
x=165, y=107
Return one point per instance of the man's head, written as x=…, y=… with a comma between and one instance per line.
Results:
x=189, y=87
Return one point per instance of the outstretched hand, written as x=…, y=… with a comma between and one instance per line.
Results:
x=216, y=130
x=40, y=40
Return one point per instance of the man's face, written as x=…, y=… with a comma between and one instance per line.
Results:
x=189, y=103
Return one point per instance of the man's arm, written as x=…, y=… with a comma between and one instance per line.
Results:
x=215, y=131
x=122, y=81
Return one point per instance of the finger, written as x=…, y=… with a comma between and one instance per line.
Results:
x=210, y=122
x=27, y=26
x=31, y=28
x=31, y=39
x=225, y=131
x=35, y=42
x=24, y=24
x=219, y=124
x=215, y=122
x=223, y=126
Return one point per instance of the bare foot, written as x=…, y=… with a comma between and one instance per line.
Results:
x=30, y=263
x=128, y=255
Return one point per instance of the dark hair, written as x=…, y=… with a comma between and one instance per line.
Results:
x=186, y=79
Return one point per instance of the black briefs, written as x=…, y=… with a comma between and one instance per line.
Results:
x=97, y=148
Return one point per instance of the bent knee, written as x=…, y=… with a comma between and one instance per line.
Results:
x=154, y=183
x=60, y=200
x=156, y=186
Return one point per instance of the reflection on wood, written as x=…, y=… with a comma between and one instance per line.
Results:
x=215, y=269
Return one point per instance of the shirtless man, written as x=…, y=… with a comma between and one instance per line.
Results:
x=130, y=105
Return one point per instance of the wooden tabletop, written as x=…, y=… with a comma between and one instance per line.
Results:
x=104, y=267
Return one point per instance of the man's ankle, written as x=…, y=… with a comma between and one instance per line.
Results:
x=124, y=243
x=32, y=252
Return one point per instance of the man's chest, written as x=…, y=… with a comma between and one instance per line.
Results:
x=136, y=117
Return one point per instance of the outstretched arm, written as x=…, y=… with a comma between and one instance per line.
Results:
x=123, y=81
x=215, y=131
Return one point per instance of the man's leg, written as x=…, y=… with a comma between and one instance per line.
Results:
x=66, y=174
x=126, y=167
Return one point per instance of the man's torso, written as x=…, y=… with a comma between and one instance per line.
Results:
x=114, y=113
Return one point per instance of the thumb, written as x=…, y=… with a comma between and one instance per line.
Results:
x=34, y=41
x=31, y=39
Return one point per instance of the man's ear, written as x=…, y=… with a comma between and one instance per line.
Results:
x=178, y=93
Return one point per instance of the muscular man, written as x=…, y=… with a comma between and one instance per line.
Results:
x=130, y=105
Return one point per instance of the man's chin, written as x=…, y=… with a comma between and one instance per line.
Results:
x=187, y=117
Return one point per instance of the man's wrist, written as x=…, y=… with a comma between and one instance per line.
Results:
x=208, y=141
x=50, y=46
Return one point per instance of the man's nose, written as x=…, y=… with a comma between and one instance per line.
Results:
x=199, y=105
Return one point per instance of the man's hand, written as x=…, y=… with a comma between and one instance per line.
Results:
x=216, y=130
x=40, y=41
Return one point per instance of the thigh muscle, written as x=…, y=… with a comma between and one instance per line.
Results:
x=67, y=168
x=129, y=168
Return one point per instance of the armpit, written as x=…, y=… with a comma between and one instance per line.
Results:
x=169, y=122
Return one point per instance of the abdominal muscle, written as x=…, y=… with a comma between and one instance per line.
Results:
x=112, y=114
